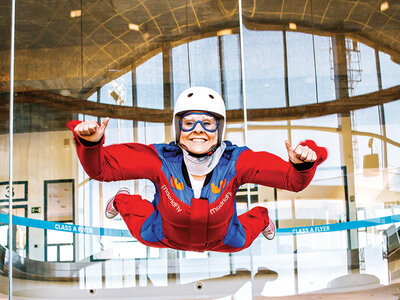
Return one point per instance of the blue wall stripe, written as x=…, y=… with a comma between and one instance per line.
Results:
x=28, y=222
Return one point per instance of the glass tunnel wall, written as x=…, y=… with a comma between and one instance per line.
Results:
x=303, y=70
x=326, y=71
x=5, y=54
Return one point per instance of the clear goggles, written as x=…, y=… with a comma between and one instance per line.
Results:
x=189, y=121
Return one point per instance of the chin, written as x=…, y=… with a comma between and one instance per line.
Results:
x=197, y=150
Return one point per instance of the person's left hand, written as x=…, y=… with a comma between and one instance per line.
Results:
x=300, y=154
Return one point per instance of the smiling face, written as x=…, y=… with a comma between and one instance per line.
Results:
x=198, y=140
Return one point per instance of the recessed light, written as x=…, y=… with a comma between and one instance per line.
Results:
x=292, y=26
x=224, y=32
x=75, y=13
x=133, y=27
x=65, y=93
x=384, y=5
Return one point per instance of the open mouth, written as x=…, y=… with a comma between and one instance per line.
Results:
x=198, y=140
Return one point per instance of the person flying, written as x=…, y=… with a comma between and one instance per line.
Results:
x=196, y=178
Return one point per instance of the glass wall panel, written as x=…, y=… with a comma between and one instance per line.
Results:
x=5, y=192
x=127, y=61
x=358, y=180
x=321, y=71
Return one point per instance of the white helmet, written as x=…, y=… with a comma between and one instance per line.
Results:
x=199, y=99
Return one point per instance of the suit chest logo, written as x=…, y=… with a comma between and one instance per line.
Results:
x=215, y=189
x=176, y=185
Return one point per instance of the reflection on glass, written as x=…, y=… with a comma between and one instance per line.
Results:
x=77, y=67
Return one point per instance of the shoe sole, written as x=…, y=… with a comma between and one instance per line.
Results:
x=120, y=191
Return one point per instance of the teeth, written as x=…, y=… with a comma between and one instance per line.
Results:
x=198, y=140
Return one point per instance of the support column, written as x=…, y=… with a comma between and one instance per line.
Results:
x=135, y=123
x=346, y=146
x=172, y=255
x=168, y=93
x=289, y=130
x=382, y=124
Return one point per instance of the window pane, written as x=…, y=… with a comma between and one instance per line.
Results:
x=204, y=63
x=390, y=70
x=300, y=68
x=117, y=92
x=326, y=84
x=149, y=83
x=180, y=69
x=66, y=253
x=264, y=69
x=59, y=237
x=52, y=253
x=361, y=68
x=231, y=68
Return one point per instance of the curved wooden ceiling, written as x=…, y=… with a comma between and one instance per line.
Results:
x=101, y=41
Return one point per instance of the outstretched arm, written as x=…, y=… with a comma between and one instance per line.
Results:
x=270, y=170
x=114, y=162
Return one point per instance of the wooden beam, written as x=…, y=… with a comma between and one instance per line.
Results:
x=83, y=106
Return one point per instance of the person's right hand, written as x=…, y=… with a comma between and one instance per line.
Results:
x=90, y=130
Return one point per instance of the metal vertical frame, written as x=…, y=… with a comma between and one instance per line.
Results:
x=10, y=153
x=241, y=35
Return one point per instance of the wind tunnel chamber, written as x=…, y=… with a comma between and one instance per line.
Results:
x=288, y=70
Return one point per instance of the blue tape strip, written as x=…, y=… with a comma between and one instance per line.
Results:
x=28, y=222
x=338, y=226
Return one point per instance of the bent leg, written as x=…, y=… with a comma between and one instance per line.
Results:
x=135, y=211
x=254, y=221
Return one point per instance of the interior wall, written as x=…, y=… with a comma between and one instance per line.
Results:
x=40, y=156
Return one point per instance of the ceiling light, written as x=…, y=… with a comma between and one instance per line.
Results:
x=65, y=93
x=224, y=32
x=75, y=13
x=133, y=27
x=292, y=26
x=384, y=5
